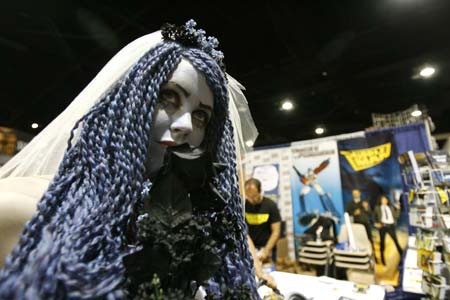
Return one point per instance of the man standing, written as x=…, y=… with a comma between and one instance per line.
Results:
x=386, y=216
x=360, y=211
x=262, y=218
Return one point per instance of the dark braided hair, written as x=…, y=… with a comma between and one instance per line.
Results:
x=73, y=246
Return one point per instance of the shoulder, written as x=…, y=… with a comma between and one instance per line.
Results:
x=269, y=202
x=270, y=206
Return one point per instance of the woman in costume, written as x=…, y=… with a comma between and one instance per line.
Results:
x=124, y=193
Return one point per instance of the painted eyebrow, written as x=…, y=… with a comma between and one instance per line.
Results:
x=182, y=89
x=187, y=94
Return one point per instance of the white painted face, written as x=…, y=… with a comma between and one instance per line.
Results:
x=184, y=108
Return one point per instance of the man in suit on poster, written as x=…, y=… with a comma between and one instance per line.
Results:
x=359, y=209
x=386, y=216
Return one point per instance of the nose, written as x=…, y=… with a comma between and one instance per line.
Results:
x=182, y=125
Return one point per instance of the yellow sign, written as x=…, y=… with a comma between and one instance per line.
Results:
x=367, y=158
x=442, y=194
x=256, y=219
x=411, y=196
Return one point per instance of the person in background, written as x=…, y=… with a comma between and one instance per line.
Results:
x=263, y=220
x=360, y=211
x=270, y=281
x=385, y=217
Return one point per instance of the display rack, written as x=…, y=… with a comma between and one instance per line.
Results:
x=427, y=175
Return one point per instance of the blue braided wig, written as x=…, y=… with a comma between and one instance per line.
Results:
x=73, y=246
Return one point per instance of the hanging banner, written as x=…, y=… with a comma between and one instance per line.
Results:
x=372, y=189
x=315, y=182
x=370, y=165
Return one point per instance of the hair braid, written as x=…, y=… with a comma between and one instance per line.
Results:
x=237, y=269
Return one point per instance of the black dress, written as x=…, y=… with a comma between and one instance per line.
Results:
x=176, y=249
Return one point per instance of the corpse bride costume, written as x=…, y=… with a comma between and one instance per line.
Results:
x=89, y=168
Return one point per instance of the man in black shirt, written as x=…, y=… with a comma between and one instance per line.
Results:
x=262, y=218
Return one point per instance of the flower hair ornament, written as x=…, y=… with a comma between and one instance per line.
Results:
x=93, y=157
x=188, y=36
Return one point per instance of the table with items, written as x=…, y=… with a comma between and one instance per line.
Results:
x=298, y=287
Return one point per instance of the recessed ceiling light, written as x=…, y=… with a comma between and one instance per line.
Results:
x=324, y=73
x=34, y=125
x=427, y=72
x=319, y=130
x=287, y=105
x=416, y=113
x=249, y=143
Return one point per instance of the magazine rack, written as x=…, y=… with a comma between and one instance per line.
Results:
x=427, y=175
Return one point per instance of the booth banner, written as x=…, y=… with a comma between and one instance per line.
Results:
x=272, y=167
x=370, y=165
x=315, y=181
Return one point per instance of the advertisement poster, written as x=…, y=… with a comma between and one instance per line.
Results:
x=315, y=183
x=370, y=168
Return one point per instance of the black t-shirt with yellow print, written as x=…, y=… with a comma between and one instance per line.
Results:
x=259, y=218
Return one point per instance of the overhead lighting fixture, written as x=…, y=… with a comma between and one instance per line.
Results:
x=287, y=105
x=416, y=113
x=427, y=72
x=249, y=143
x=34, y=125
x=319, y=130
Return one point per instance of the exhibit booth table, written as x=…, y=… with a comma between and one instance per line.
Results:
x=325, y=288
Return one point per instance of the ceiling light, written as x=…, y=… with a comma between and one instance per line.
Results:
x=319, y=130
x=34, y=125
x=416, y=113
x=287, y=105
x=249, y=143
x=427, y=72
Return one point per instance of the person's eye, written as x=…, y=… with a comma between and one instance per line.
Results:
x=169, y=99
x=200, y=118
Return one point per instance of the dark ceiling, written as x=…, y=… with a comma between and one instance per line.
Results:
x=338, y=61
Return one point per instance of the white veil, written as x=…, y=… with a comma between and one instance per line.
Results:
x=42, y=156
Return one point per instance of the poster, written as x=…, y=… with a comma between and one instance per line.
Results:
x=315, y=182
x=370, y=166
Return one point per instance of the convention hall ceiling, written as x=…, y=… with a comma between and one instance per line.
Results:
x=337, y=61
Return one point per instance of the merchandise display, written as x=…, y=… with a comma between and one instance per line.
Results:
x=427, y=176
